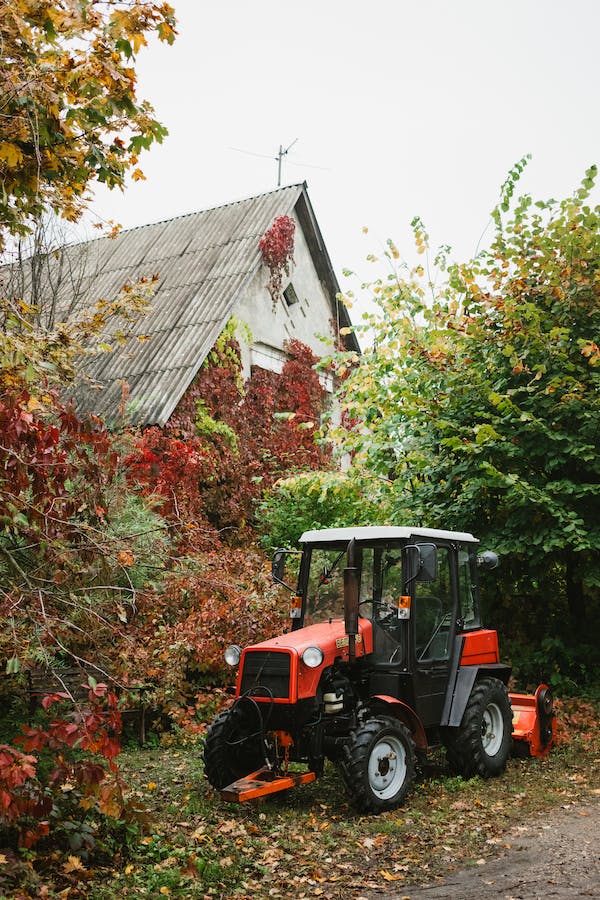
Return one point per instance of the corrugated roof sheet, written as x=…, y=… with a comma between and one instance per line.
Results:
x=204, y=260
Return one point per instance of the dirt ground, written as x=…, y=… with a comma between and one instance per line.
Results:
x=552, y=859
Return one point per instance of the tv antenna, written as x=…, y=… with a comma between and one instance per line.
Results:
x=279, y=158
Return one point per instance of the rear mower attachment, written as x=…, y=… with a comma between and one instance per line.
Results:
x=534, y=722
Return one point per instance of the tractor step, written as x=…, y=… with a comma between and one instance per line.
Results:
x=534, y=722
x=263, y=782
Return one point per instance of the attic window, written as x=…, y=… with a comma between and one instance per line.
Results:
x=290, y=295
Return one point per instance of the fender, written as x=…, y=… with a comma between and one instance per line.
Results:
x=402, y=711
x=461, y=681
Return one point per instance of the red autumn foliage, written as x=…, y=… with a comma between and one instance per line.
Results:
x=212, y=478
x=55, y=471
x=282, y=413
x=45, y=449
x=173, y=470
x=214, y=598
x=277, y=249
x=76, y=779
x=576, y=719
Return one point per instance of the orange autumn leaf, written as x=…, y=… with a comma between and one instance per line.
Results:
x=125, y=558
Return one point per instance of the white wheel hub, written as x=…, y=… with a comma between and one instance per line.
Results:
x=387, y=767
x=492, y=729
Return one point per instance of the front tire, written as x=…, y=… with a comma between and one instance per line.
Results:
x=481, y=744
x=378, y=766
x=232, y=747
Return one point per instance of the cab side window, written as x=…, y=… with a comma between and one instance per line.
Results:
x=433, y=612
x=467, y=563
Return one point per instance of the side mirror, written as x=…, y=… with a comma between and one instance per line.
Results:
x=278, y=567
x=488, y=560
x=420, y=564
x=428, y=570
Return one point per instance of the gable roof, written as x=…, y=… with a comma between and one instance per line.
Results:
x=204, y=260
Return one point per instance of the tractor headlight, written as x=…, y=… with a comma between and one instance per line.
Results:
x=232, y=655
x=312, y=657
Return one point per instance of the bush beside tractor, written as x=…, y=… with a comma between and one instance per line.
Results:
x=386, y=659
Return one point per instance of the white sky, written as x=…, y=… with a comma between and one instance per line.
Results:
x=409, y=106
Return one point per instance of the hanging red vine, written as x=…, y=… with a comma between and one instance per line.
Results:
x=277, y=248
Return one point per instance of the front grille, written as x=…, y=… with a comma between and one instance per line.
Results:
x=266, y=669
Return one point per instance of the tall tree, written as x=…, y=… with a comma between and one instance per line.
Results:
x=68, y=104
x=479, y=400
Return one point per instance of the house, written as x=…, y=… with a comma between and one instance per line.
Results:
x=210, y=268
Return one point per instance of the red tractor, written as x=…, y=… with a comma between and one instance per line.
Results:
x=386, y=659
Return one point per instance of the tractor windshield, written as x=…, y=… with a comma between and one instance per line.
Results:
x=380, y=584
x=325, y=594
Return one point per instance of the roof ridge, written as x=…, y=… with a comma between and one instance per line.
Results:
x=208, y=209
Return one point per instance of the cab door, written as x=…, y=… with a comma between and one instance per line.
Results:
x=434, y=613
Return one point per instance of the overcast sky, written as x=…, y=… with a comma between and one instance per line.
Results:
x=400, y=108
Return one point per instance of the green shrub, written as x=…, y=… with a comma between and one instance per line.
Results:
x=320, y=500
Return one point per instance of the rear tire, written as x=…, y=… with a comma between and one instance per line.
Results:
x=481, y=744
x=232, y=747
x=378, y=766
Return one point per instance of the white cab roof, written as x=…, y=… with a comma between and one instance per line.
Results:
x=383, y=533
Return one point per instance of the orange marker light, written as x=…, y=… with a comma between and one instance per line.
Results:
x=404, y=607
x=296, y=607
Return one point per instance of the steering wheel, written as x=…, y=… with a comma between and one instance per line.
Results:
x=376, y=606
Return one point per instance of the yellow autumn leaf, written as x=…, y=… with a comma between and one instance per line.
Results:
x=73, y=864
x=151, y=785
x=11, y=154
x=166, y=33
x=389, y=877
x=3, y=859
x=138, y=40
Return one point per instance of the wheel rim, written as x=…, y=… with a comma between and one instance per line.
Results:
x=387, y=767
x=492, y=729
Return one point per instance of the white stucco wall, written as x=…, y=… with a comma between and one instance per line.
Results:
x=271, y=327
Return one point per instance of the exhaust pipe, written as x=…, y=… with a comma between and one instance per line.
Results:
x=351, y=600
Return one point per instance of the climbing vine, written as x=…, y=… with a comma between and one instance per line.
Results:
x=225, y=443
x=277, y=249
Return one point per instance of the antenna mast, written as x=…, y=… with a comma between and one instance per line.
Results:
x=280, y=156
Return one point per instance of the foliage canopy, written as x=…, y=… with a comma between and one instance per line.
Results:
x=70, y=114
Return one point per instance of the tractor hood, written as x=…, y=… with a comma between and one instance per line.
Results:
x=330, y=637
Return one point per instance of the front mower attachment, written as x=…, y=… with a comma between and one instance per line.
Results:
x=262, y=782
x=534, y=721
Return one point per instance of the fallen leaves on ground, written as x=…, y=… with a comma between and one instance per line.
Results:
x=309, y=842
